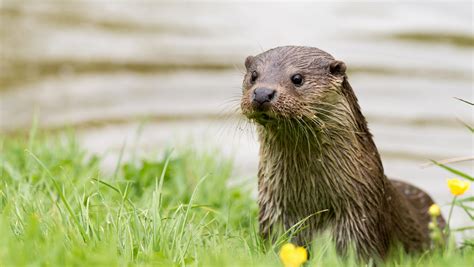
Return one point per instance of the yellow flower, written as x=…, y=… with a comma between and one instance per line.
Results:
x=458, y=187
x=293, y=256
x=434, y=210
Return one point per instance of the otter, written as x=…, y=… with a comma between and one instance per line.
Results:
x=317, y=153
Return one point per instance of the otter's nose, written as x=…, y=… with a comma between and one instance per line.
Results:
x=263, y=95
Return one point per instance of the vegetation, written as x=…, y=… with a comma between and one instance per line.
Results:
x=58, y=208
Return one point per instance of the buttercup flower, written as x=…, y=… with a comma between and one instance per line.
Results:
x=293, y=256
x=434, y=210
x=458, y=187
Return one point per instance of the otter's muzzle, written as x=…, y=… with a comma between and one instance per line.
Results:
x=262, y=97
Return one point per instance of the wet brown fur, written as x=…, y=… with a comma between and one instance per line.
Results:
x=316, y=153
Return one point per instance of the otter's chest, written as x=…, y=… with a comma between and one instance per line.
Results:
x=292, y=193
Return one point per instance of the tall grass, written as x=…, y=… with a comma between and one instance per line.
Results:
x=58, y=208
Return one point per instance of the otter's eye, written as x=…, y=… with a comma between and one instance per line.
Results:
x=297, y=79
x=254, y=76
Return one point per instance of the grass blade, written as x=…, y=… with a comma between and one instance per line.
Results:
x=454, y=171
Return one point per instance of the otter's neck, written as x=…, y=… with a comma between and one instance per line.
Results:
x=330, y=163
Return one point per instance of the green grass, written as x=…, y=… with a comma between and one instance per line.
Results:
x=58, y=208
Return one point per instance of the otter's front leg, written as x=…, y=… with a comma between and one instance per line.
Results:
x=267, y=215
x=368, y=237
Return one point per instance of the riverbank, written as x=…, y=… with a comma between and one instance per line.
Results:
x=174, y=208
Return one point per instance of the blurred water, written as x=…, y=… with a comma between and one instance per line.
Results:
x=104, y=67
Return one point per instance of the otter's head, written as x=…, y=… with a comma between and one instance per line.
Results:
x=291, y=83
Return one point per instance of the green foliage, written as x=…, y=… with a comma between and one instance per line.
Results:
x=463, y=202
x=454, y=171
x=57, y=208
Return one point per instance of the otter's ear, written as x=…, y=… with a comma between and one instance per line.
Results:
x=248, y=62
x=337, y=68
